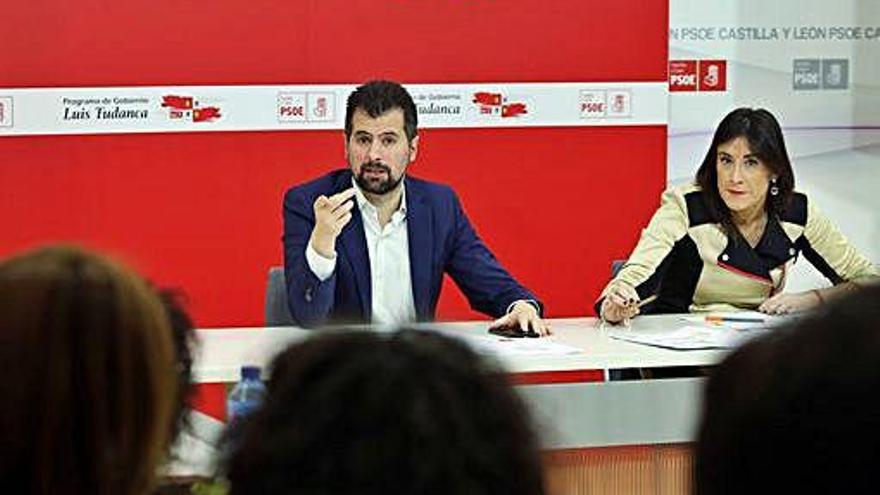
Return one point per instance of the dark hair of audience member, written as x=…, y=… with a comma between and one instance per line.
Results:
x=88, y=398
x=364, y=413
x=184, y=338
x=799, y=410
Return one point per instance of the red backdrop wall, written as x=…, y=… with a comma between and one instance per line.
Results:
x=201, y=211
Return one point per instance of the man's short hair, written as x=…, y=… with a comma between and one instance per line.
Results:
x=377, y=97
x=366, y=413
x=799, y=410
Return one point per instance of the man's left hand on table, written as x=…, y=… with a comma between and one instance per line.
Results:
x=523, y=315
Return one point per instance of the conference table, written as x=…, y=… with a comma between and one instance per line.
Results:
x=599, y=435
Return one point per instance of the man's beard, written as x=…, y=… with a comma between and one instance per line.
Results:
x=377, y=186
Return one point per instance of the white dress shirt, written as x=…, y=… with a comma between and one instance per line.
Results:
x=388, y=249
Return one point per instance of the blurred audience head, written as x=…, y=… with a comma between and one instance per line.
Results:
x=797, y=411
x=184, y=338
x=88, y=402
x=365, y=413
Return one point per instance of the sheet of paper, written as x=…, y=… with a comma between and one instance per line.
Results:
x=495, y=345
x=690, y=337
x=502, y=346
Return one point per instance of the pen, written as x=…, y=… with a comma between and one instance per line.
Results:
x=646, y=300
x=733, y=319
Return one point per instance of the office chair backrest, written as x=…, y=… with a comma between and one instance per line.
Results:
x=616, y=265
x=277, y=311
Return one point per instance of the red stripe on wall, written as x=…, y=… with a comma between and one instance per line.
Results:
x=210, y=398
x=548, y=377
x=162, y=42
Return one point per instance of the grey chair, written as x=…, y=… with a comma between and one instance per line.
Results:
x=277, y=311
x=616, y=265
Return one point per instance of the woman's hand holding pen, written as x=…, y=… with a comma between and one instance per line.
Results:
x=620, y=304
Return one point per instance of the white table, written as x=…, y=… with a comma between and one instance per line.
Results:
x=573, y=413
x=599, y=433
x=224, y=350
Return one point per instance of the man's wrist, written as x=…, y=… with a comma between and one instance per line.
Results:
x=319, y=264
x=530, y=302
x=322, y=247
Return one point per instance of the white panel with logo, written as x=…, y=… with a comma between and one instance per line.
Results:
x=271, y=108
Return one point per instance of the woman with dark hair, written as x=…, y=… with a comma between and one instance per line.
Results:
x=89, y=398
x=727, y=241
x=364, y=413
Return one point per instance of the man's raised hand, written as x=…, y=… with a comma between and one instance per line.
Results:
x=331, y=215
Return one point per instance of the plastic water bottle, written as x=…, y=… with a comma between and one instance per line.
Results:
x=247, y=394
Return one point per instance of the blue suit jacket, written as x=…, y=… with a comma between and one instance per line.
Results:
x=441, y=239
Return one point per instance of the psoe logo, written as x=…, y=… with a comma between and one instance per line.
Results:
x=189, y=109
x=496, y=104
x=805, y=74
x=301, y=107
x=713, y=75
x=682, y=75
x=594, y=104
x=619, y=103
x=321, y=107
x=291, y=107
x=5, y=111
x=835, y=73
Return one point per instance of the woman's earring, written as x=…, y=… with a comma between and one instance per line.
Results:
x=774, y=189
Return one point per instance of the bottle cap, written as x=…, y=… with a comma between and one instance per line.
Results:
x=250, y=372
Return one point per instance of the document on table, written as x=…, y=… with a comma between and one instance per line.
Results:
x=508, y=347
x=477, y=336
x=690, y=337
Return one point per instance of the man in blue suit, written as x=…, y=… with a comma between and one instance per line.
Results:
x=370, y=244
